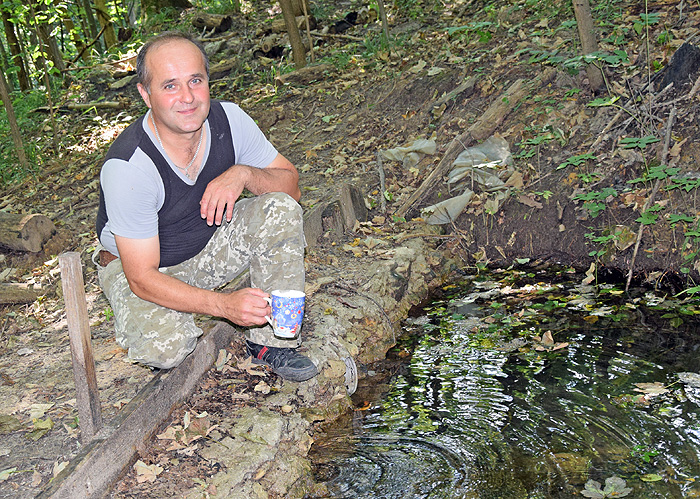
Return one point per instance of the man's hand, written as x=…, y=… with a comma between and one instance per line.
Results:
x=246, y=307
x=221, y=194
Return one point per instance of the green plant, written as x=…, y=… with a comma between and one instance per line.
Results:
x=594, y=200
x=480, y=29
x=576, y=160
x=645, y=21
x=644, y=453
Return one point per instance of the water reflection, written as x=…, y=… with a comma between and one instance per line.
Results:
x=478, y=415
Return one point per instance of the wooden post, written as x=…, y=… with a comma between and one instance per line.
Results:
x=87, y=395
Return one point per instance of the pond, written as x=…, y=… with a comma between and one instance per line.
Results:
x=527, y=385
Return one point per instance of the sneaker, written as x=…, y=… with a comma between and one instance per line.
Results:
x=285, y=362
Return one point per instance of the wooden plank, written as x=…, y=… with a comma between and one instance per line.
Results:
x=92, y=473
x=87, y=394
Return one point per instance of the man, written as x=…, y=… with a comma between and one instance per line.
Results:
x=173, y=228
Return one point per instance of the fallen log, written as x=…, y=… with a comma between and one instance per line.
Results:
x=483, y=128
x=21, y=232
x=218, y=22
x=304, y=75
x=16, y=294
x=82, y=106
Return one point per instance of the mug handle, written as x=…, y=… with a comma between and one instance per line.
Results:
x=269, y=302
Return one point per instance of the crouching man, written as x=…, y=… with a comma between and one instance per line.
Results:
x=173, y=229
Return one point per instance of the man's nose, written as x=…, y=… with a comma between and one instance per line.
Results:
x=187, y=95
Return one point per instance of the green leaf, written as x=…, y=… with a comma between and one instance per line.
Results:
x=651, y=477
x=641, y=143
x=603, y=101
x=8, y=424
x=674, y=219
x=5, y=474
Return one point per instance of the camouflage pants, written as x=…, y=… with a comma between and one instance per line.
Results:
x=265, y=235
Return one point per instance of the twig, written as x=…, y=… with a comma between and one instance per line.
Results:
x=80, y=54
x=338, y=35
x=650, y=200
x=382, y=181
x=308, y=30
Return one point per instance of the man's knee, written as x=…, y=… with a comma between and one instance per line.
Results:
x=162, y=356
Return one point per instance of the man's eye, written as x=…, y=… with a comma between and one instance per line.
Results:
x=169, y=86
x=196, y=81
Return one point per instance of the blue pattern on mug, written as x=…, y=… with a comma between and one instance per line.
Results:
x=287, y=312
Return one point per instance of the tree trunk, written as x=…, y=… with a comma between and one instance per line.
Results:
x=582, y=11
x=44, y=30
x=300, y=7
x=75, y=36
x=91, y=21
x=298, y=50
x=385, y=23
x=14, y=128
x=106, y=23
x=16, y=52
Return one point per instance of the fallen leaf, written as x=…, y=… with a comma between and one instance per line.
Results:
x=262, y=387
x=8, y=424
x=41, y=428
x=651, y=389
x=146, y=473
x=222, y=359
x=5, y=474
x=58, y=467
x=248, y=366
x=37, y=411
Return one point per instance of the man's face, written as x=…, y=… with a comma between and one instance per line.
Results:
x=179, y=89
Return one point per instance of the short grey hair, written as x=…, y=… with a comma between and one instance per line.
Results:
x=142, y=73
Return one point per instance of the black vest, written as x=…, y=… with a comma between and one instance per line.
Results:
x=182, y=232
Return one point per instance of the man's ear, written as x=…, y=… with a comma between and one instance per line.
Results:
x=144, y=94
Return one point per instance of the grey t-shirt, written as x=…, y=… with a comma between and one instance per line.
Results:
x=133, y=188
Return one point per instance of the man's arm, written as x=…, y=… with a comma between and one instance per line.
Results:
x=222, y=192
x=140, y=259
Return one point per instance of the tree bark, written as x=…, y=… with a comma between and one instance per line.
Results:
x=298, y=50
x=90, y=18
x=16, y=51
x=106, y=23
x=584, y=20
x=14, y=128
x=24, y=232
x=300, y=7
x=382, y=15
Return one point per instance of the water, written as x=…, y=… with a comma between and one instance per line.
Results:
x=483, y=410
